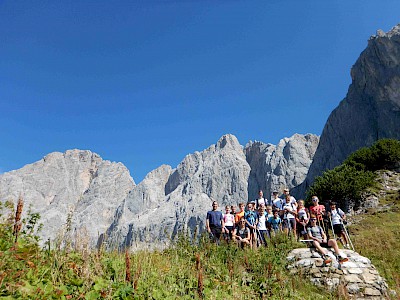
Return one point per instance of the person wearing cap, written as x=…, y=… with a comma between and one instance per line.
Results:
x=321, y=242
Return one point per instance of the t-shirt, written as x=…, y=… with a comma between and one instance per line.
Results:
x=260, y=201
x=302, y=214
x=262, y=222
x=278, y=203
x=242, y=232
x=315, y=231
x=229, y=219
x=290, y=207
x=251, y=217
x=214, y=218
x=336, y=216
x=275, y=222
x=317, y=210
x=238, y=216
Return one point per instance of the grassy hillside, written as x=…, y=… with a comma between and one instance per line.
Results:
x=184, y=271
x=376, y=235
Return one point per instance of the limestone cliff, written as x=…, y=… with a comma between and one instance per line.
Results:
x=76, y=181
x=371, y=109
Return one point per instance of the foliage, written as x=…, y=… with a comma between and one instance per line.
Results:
x=383, y=154
x=342, y=184
x=377, y=236
x=184, y=271
x=350, y=180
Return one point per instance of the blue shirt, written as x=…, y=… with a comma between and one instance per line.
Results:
x=214, y=218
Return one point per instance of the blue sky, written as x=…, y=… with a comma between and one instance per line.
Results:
x=147, y=82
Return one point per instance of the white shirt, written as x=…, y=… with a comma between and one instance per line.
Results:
x=278, y=203
x=290, y=207
x=261, y=222
x=336, y=216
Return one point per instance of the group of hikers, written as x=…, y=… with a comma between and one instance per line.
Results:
x=257, y=221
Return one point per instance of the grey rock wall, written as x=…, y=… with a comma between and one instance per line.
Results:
x=371, y=109
x=274, y=167
x=109, y=209
x=76, y=181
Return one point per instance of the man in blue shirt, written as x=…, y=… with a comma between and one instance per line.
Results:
x=215, y=222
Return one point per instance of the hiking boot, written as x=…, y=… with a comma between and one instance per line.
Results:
x=347, y=246
x=327, y=259
x=343, y=259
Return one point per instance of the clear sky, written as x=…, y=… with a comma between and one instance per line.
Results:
x=147, y=82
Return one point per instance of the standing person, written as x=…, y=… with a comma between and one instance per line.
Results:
x=229, y=222
x=214, y=223
x=262, y=225
x=320, y=241
x=287, y=193
x=260, y=201
x=240, y=214
x=242, y=234
x=319, y=211
x=337, y=218
x=251, y=222
x=277, y=203
x=289, y=217
x=275, y=223
x=302, y=219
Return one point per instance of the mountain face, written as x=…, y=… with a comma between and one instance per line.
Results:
x=77, y=182
x=371, y=109
x=108, y=208
x=275, y=167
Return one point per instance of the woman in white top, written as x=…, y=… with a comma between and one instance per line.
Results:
x=289, y=217
x=302, y=219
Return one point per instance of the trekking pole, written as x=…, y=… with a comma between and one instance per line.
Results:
x=330, y=220
x=347, y=235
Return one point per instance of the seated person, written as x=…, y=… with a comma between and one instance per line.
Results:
x=242, y=234
x=320, y=241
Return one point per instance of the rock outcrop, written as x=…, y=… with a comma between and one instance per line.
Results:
x=108, y=208
x=76, y=182
x=182, y=196
x=371, y=109
x=356, y=278
x=284, y=165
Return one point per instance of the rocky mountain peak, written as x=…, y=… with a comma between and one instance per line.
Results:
x=371, y=109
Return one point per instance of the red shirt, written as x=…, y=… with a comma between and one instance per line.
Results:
x=317, y=210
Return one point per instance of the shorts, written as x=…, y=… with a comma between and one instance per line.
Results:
x=338, y=228
x=229, y=235
x=324, y=245
x=289, y=223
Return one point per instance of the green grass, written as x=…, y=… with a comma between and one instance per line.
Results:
x=185, y=271
x=377, y=236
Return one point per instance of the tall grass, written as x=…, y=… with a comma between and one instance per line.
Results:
x=184, y=271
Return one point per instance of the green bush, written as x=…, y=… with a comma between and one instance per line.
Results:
x=349, y=180
x=383, y=154
x=342, y=184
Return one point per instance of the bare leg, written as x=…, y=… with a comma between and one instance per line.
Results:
x=319, y=248
x=332, y=243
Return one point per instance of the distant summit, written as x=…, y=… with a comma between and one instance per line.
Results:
x=107, y=207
